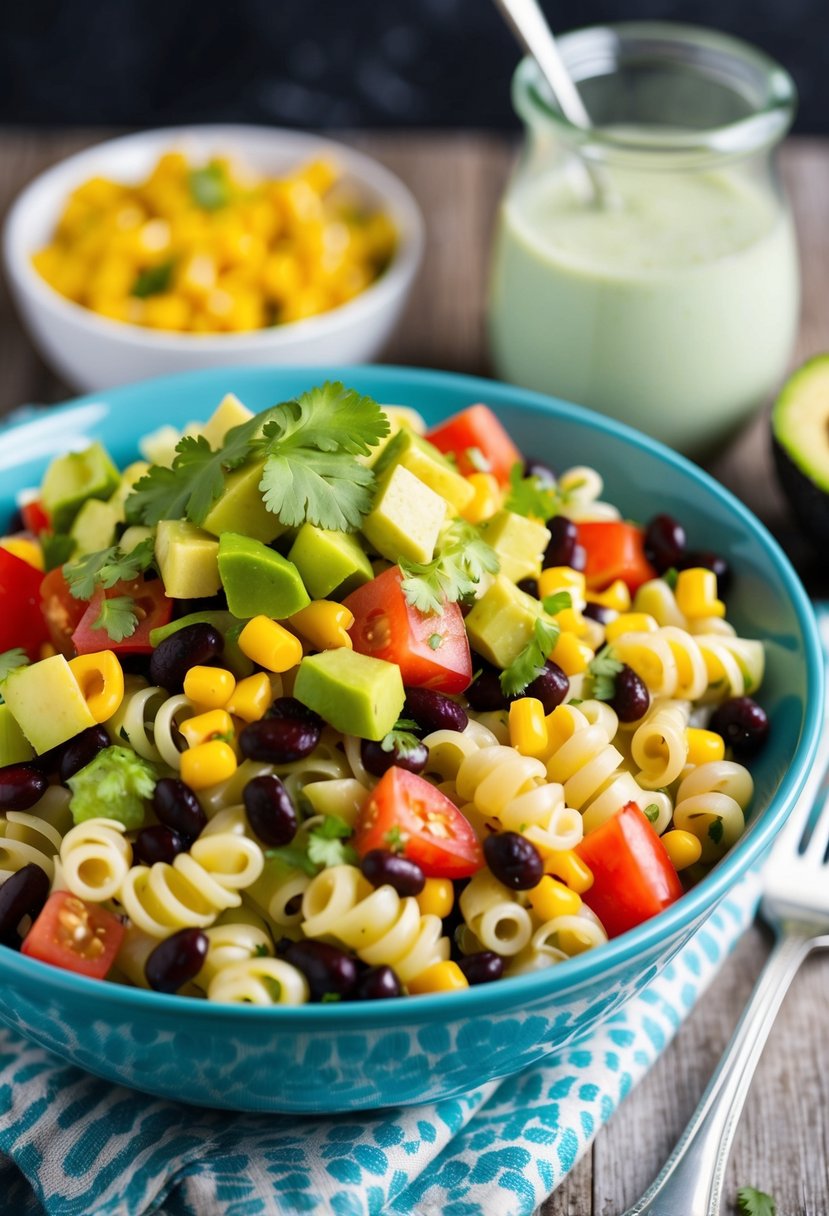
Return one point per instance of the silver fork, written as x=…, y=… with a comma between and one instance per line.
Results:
x=795, y=903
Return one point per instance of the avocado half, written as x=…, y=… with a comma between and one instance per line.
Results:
x=800, y=442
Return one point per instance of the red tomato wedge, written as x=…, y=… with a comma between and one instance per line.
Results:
x=633, y=876
x=21, y=623
x=614, y=550
x=151, y=606
x=35, y=517
x=431, y=651
x=74, y=935
x=477, y=428
x=61, y=611
x=409, y=816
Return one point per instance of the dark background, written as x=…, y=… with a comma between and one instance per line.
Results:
x=330, y=63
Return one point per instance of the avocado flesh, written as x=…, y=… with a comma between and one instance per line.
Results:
x=75, y=477
x=800, y=445
x=355, y=693
x=257, y=580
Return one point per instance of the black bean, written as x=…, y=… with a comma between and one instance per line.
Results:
x=543, y=474
x=514, y=860
x=563, y=544
x=598, y=612
x=82, y=750
x=270, y=811
x=708, y=560
x=177, y=807
x=330, y=972
x=376, y=984
x=16, y=523
x=550, y=688
x=192, y=646
x=279, y=740
x=664, y=543
x=289, y=707
x=631, y=699
x=176, y=960
x=743, y=724
x=481, y=968
x=157, y=843
x=484, y=693
x=433, y=711
x=529, y=586
x=23, y=894
x=376, y=759
x=382, y=867
x=21, y=787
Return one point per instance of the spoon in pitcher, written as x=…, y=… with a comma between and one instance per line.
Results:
x=530, y=28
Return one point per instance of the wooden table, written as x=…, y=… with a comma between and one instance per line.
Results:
x=782, y=1145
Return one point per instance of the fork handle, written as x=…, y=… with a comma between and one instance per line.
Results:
x=691, y=1179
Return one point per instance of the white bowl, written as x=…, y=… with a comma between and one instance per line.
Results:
x=93, y=352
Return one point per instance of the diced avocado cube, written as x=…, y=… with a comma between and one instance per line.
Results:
x=94, y=527
x=134, y=536
x=240, y=507
x=14, y=746
x=356, y=693
x=406, y=517
x=519, y=543
x=130, y=476
x=431, y=466
x=73, y=478
x=188, y=560
x=257, y=580
x=229, y=413
x=329, y=561
x=502, y=622
x=227, y=624
x=46, y=702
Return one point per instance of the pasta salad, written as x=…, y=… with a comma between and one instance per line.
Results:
x=317, y=704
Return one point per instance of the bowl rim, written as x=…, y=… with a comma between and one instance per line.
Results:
x=521, y=990
x=369, y=172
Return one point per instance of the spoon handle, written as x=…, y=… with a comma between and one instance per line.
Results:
x=533, y=32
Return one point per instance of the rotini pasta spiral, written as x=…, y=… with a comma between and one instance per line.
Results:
x=259, y=981
x=228, y=944
x=693, y=666
x=494, y=915
x=718, y=791
x=147, y=721
x=557, y=940
x=162, y=898
x=660, y=746
x=379, y=925
x=35, y=836
x=95, y=859
x=583, y=488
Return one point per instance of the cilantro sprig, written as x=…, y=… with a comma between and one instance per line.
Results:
x=153, y=280
x=324, y=846
x=401, y=739
x=210, y=186
x=106, y=567
x=117, y=616
x=603, y=670
x=751, y=1202
x=529, y=663
x=462, y=559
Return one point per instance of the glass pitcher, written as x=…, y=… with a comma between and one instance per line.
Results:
x=669, y=298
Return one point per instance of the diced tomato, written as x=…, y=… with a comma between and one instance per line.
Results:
x=21, y=623
x=476, y=430
x=633, y=876
x=61, y=611
x=431, y=651
x=614, y=550
x=75, y=935
x=35, y=517
x=151, y=606
x=409, y=816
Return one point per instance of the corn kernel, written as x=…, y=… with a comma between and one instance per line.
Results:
x=270, y=645
x=683, y=848
x=202, y=728
x=29, y=551
x=101, y=682
x=324, y=624
x=440, y=977
x=561, y=578
x=704, y=746
x=251, y=698
x=487, y=498
x=570, y=620
x=528, y=726
x=167, y=311
x=437, y=897
x=630, y=622
x=209, y=687
x=570, y=868
x=552, y=898
x=560, y=727
x=696, y=593
x=207, y=764
x=571, y=654
x=616, y=596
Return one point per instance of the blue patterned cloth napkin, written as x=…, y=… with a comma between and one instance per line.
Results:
x=73, y=1145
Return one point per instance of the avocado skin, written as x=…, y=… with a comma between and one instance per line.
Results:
x=808, y=502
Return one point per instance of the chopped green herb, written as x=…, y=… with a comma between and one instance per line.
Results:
x=462, y=559
x=330, y=998
x=670, y=577
x=57, y=548
x=325, y=843
x=401, y=739
x=261, y=951
x=118, y=617
x=106, y=567
x=395, y=839
x=527, y=496
x=715, y=830
x=294, y=857
x=651, y=812
x=210, y=187
x=10, y=660
x=116, y=784
x=529, y=663
x=553, y=604
x=603, y=670
x=435, y=641
x=751, y=1202
x=153, y=280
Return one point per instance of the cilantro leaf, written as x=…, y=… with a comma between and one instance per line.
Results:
x=153, y=280
x=603, y=670
x=751, y=1202
x=670, y=577
x=10, y=660
x=463, y=557
x=553, y=604
x=57, y=548
x=261, y=951
x=210, y=186
x=715, y=830
x=529, y=663
x=325, y=843
x=527, y=495
x=330, y=998
x=401, y=739
x=106, y=567
x=117, y=616
x=329, y=418
x=294, y=857
x=651, y=812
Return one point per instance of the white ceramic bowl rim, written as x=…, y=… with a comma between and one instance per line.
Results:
x=72, y=171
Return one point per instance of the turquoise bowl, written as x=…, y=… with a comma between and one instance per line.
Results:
x=337, y=1058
